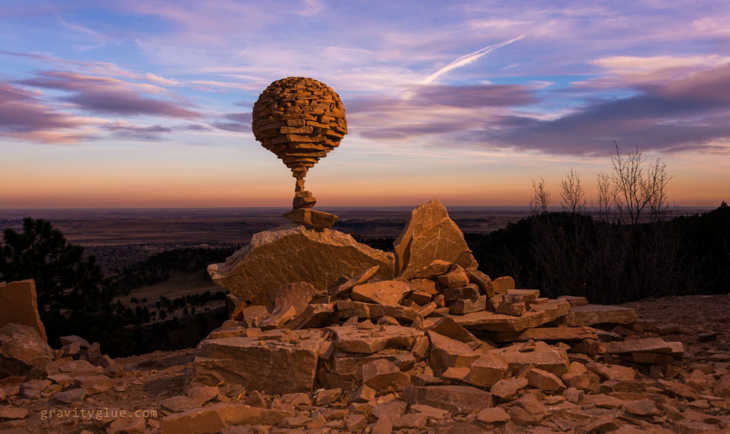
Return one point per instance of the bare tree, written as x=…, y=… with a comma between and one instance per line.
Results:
x=606, y=195
x=637, y=191
x=572, y=194
x=540, y=197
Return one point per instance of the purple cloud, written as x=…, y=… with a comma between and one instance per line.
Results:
x=683, y=114
x=107, y=95
x=239, y=122
x=22, y=115
x=133, y=132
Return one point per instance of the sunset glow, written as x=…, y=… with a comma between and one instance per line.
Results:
x=148, y=103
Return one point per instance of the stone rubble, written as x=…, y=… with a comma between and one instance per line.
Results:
x=440, y=348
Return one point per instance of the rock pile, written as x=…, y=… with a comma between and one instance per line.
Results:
x=31, y=370
x=440, y=348
x=443, y=342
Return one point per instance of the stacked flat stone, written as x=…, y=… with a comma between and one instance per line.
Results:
x=300, y=120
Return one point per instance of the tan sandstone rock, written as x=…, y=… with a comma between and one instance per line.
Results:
x=430, y=234
x=276, y=362
x=20, y=348
x=316, y=257
x=19, y=305
x=455, y=399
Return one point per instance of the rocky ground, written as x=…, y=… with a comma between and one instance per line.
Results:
x=441, y=348
x=694, y=397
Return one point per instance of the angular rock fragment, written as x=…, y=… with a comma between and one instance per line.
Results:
x=434, y=269
x=214, y=418
x=545, y=357
x=388, y=292
x=382, y=374
x=298, y=295
x=507, y=389
x=354, y=340
x=461, y=307
x=455, y=278
x=493, y=415
x=430, y=234
x=487, y=370
x=455, y=399
x=502, y=284
x=543, y=380
x=350, y=283
x=448, y=353
x=21, y=347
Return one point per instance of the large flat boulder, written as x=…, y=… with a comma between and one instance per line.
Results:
x=429, y=235
x=274, y=362
x=19, y=305
x=21, y=347
x=291, y=254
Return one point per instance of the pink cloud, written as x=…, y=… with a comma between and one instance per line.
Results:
x=107, y=95
x=23, y=116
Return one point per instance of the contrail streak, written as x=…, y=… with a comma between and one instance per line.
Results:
x=467, y=59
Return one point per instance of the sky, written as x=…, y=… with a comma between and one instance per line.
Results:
x=147, y=103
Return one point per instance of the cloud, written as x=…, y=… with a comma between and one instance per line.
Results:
x=161, y=80
x=683, y=114
x=124, y=130
x=107, y=95
x=238, y=122
x=23, y=116
x=467, y=59
x=434, y=110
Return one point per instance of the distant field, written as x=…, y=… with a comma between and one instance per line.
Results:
x=186, y=227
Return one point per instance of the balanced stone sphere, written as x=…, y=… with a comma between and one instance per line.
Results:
x=300, y=120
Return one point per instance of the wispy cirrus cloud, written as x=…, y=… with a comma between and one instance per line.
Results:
x=467, y=59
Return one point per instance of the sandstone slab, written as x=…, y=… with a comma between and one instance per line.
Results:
x=591, y=314
x=214, y=418
x=542, y=356
x=388, y=292
x=455, y=399
x=274, y=362
x=19, y=305
x=497, y=322
x=430, y=234
x=561, y=333
x=317, y=219
x=316, y=257
x=356, y=340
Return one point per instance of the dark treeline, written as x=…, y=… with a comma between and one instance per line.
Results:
x=74, y=297
x=609, y=262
